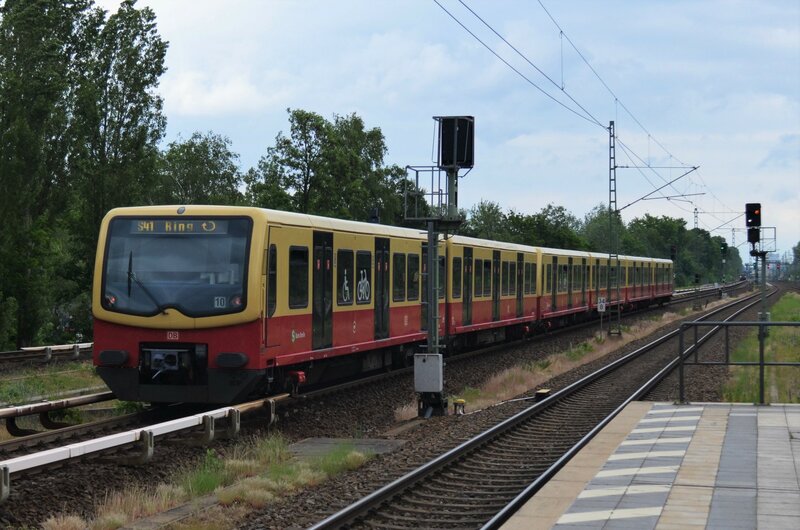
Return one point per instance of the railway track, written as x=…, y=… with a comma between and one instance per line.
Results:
x=320, y=400
x=46, y=354
x=479, y=483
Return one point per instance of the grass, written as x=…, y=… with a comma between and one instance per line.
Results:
x=782, y=383
x=22, y=386
x=254, y=474
x=532, y=374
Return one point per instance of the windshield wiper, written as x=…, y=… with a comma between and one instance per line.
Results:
x=132, y=277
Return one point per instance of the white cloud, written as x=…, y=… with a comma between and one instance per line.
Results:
x=198, y=94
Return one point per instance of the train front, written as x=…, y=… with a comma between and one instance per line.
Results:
x=177, y=305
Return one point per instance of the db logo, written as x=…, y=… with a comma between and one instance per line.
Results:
x=173, y=335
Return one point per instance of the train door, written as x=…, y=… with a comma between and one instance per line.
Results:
x=466, y=300
x=596, y=280
x=554, y=284
x=496, y=285
x=570, y=282
x=381, y=288
x=584, y=280
x=520, y=282
x=322, y=307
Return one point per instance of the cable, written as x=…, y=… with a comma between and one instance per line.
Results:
x=523, y=76
x=586, y=114
x=524, y=57
x=616, y=99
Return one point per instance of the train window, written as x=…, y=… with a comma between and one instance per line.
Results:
x=512, y=278
x=363, y=277
x=398, y=277
x=413, y=276
x=506, y=277
x=548, y=282
x=478, y=277
x=533, y=278
x=344, y=277
x=563, y=278
x=526, y=279
x=298, y=277
x=456, y=277
x=487, y=278
x=272, y=280
x=442, y=275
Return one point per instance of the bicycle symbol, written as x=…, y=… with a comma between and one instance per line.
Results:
x=363, y=286
x=345, y=289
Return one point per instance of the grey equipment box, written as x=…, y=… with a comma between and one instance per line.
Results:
x=428, y=372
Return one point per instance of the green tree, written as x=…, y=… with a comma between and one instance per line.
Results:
x=79, y=125
x=266, y=188
x=118, y=118
x=486, y=220
x=653, y=236
x=596, y=229
x=298, y=159
x=356, y=181
x=41, y=45
x=328, y=168
x=201, y=170
x=795, y=267
x=557, y=228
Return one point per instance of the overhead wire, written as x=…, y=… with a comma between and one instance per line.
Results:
x=602, y=81
x=525, y=58
x=523, y=76
x=584, y=113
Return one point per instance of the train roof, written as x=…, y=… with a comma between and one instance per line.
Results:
x=499, y=245
x=275, y=217
x=328, y=223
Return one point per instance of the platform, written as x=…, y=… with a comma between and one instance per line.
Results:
x=661, y=466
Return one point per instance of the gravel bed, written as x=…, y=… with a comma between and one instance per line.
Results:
x=366, y=412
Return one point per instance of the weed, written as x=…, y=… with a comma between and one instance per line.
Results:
x=128, y=407
x=64, y=522
x=205, y=478
x=342, y=458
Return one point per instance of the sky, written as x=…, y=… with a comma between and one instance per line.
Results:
x=707, y=83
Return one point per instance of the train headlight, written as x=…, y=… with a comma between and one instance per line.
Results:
x=236, y=301
x=111, y=300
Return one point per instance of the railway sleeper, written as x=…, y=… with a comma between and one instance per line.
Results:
x=431, y=501
x=396, y=513
x=447, y=488
x=438, y=487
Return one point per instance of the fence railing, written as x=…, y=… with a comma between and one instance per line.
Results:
x=690, y=357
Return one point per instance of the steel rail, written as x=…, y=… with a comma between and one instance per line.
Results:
x=143, y=436
x=516, y=504
x=48, y=406
x=375, y=499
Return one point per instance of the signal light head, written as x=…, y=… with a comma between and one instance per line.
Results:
x=752, y=212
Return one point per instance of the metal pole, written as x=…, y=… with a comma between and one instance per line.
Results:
x=727, y=346
x=762, y=330
x=452, y=195
x=432, y=290
x=681, y=387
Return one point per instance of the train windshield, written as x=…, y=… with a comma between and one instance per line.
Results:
x=195, y=265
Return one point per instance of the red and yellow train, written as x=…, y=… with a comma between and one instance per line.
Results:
x=215, y=304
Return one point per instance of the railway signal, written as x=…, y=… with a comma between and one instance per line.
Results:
x=752, y=214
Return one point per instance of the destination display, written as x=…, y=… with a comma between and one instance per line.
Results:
x=178, y=226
